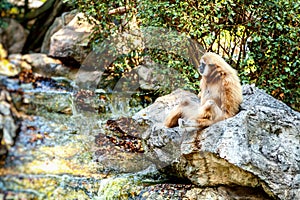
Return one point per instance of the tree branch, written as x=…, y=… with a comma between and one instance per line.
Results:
x=119, y=10
x=35, y=13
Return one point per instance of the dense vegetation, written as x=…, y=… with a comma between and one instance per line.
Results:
x=4, y=7
x=259, y=38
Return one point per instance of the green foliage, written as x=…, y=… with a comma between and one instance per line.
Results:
x=187, y=76
x=259, y=38
x=275, y=49
x=107, y=24
x=4, y=7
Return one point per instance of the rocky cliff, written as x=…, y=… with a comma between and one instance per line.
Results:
x=258, y=148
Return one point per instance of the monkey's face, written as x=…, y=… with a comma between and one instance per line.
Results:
x=203, y=68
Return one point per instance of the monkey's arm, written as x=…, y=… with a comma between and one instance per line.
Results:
x=172, y=118
x=201, y=86
x=208, y=114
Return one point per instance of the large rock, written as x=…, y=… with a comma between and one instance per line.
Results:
x=43, y=65
x=13, y=36
x=258, y=148
x=58, y=24
x=71, y=41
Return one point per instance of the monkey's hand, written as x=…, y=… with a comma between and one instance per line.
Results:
x=181, y=123
x=199, y=95
x=188, y=124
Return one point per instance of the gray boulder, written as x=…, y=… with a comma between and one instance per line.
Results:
x=42, y=64
x=257, y=148
x=71, y=41
x=13, y=36
x=57, y=25
x=47, y=66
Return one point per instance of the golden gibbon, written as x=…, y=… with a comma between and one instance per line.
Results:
x=221, y=96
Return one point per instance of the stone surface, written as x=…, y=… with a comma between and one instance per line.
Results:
x=71, y=41
x=13, y=43
x=58, y=24
x=8, y=124
x=190, y=192
x=43, y=64
x=7, y=68
x=258, y=148
x=128, y=187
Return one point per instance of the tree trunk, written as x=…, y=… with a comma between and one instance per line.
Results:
x=41, y=25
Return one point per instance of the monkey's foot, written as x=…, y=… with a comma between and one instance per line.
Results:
x=186, y=123
x=181, y=123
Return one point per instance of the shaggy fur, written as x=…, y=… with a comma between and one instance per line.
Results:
x=221, y=95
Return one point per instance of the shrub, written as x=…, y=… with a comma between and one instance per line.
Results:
x=4, y=7
x=259, y=38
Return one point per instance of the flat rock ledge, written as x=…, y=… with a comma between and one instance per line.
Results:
x=257, y=148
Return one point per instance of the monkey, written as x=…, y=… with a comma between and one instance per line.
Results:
x=220, y=96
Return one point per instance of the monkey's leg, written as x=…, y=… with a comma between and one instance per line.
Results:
x=208, y=114
x=172, y=118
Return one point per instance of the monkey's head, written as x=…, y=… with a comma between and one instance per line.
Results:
x=205, y=67
x=211, y=64
x=207, y=64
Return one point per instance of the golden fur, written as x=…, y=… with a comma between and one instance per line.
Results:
x=221, y=95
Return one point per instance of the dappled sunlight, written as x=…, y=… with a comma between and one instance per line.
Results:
x=86, y=88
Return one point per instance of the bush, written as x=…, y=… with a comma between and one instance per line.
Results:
x=4, y=7
x=259, y=38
